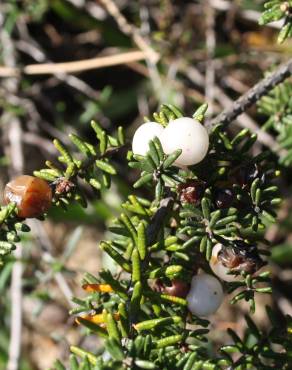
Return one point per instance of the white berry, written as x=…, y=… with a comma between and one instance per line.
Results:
x=205, y=295
x=143, y=135
x=218, y=268
x=188, y=135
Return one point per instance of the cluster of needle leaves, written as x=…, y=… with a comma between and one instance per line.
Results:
x=84, y=165
x=277, y=106
x=169, y=238
x=276, y=10
x=165, y=238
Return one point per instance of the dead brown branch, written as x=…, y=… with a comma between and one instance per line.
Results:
x=74, y=67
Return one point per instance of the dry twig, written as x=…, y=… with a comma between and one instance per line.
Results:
x=12, y=126
x=74, y=67
x=244, y=120
x=130, y=30
x=210, y=65
x=254, y=94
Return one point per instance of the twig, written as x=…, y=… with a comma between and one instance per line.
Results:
x=210, y=66
x=244, y=120
x=14, y=151
x=29, y=46
x=129, y=29
x=254, y=94
x=151, y=63
x=73, y=67
x=70, y=80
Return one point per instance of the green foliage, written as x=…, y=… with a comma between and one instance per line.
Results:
x=230, y=199
x=271, y=350
x=11, y=228
x=277, y=106
x=169, y=238
x=276, y=10
x=162, y=234
x=90, y=165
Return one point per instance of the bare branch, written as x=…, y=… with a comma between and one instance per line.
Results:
x=130, y=30
x=210, y=65
x=12, y=127
x=73, y=67
x=225, y=101
x=254, y=94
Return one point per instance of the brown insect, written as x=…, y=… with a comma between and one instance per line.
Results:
x=191, y=191
x=33, y=196
x=178, y=288
x=241, y=257
x=62, y=185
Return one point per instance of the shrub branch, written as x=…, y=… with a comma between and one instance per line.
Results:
x=254, y=94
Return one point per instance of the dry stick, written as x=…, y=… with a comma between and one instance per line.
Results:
x=30, y=46
x=151, y=63
x=70, y=80
x=130, y=30
x=127, y=28
x=244, y=120
x=254, y=94
x=87, y=64
x=210, y=66
x=13, y=126
x=73, y=67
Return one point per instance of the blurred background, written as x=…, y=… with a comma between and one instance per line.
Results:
x=132, y=56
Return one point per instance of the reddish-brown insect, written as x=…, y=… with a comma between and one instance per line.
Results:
x=191, y=191
x=178, y=288
x=63, y=185
x=241, y=257
x=33, y=196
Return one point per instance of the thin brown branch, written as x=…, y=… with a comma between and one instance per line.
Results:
x=74, y=67
x=226, y=102
x=12, y=128
x=30, y=46
x=130, y=30
x=254, y=94
x=210, y=65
